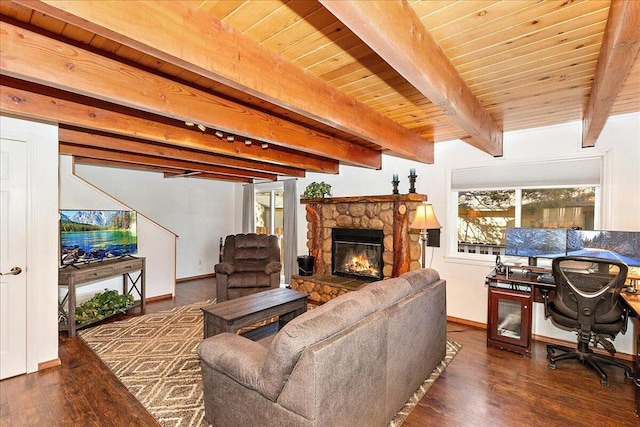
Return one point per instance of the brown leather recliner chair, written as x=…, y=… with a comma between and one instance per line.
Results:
x=250, y=264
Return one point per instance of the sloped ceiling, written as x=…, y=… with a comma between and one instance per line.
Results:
x=253, y=90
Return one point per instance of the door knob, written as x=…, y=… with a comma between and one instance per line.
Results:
x=14, y=272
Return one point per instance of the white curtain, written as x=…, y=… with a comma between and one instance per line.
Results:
x=248, y=208
x=290, y=230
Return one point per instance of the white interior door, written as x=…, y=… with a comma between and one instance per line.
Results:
x=13, y=253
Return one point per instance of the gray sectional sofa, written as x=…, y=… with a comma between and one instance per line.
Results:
x=353, y=361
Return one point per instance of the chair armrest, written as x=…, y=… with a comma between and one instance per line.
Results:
x=273, y=267
x=237, y=357
x=225, y=268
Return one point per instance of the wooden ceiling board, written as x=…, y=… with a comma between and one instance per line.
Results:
x=251, y=14
x=219, y=9
x=16, y=11
x=530, y=63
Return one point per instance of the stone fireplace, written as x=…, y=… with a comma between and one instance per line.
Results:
x=389, y=215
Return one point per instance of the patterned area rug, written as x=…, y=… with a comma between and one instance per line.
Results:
x=155, y=357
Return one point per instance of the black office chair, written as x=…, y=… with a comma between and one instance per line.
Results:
x=588, y=301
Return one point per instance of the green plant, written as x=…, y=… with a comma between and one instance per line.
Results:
x=103, y=304
x=317, y=190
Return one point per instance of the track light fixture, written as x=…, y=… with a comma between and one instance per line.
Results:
x=220, y=134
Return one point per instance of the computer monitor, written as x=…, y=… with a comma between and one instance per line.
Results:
x=536, y=243
x=617, y=245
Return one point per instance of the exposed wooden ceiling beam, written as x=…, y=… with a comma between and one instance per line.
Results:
x=24, y=100
x=122, y=165
x=89, y=139
x=617, y=54
x=200, y=42
x=67, y=67
x=97, y=153
x=393, y=30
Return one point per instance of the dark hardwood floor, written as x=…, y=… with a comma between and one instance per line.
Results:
x=481, y=387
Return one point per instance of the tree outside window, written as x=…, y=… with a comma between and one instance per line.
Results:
x=484, y=215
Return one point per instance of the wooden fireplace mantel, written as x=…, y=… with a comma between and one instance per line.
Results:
x=395, y=225
x=411, y=197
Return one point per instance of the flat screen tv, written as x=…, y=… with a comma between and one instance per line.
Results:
x=617, y=245
x=92, y=235
x=536, y=243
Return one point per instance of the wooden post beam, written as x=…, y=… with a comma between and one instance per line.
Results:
x=25, y=101
x=123, y=165
x=89, y=139
x=98, y=153
x=238, y=61
x=30, y=56
x=617, y=54
x=393, y=30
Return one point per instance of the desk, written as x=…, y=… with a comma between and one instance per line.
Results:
x=633, y=302
x=83, y=274
x=509, y=314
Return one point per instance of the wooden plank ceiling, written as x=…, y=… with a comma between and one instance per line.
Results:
x=255, y=90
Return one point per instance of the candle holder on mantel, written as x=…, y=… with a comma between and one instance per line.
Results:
x=395, y=181
x=412, y=180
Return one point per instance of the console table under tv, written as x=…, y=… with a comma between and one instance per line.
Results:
x=78, y=275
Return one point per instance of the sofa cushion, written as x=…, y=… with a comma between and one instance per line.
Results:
x=387, y=292
x=249, y=279
x=308, y=329
x=420, y=279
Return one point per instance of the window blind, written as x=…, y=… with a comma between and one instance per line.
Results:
x=573, y=172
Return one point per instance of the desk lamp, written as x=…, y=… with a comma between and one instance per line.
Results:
x=425, y=220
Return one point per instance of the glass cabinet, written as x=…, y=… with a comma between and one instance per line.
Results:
x=509, y=320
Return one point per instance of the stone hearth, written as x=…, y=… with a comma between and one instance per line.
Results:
x=324, y=288
x=392, y=214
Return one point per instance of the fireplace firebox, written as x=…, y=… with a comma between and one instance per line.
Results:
x=357, y=253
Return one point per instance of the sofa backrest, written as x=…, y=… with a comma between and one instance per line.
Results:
x=251, y=252
x=336, y=363
x=324, y=322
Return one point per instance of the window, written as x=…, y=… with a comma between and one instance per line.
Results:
x=269, y=215
x=554, y=194
x=484, y=215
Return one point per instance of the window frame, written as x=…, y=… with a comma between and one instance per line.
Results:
x=601, y=205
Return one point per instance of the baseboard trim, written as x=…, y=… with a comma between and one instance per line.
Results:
x=466, y=322
x=159, y=298
x=49, y=364
x=190, y=278
x=619, y=355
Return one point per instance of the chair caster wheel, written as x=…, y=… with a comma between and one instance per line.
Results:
x=552, y=366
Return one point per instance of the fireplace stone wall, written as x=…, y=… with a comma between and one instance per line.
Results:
x=392, y=214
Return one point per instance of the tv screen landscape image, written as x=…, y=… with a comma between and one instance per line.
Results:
x=536, y=242
x=616, y=245
x=93, y=235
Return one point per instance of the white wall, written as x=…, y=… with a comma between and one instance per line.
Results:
x=466, y=292
x=42, y=236
x=199, y=211
x=155, y=243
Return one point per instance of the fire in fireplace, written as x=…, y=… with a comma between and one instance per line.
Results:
x=357, y=253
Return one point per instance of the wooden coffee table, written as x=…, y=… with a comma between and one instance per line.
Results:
x=231, y=315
